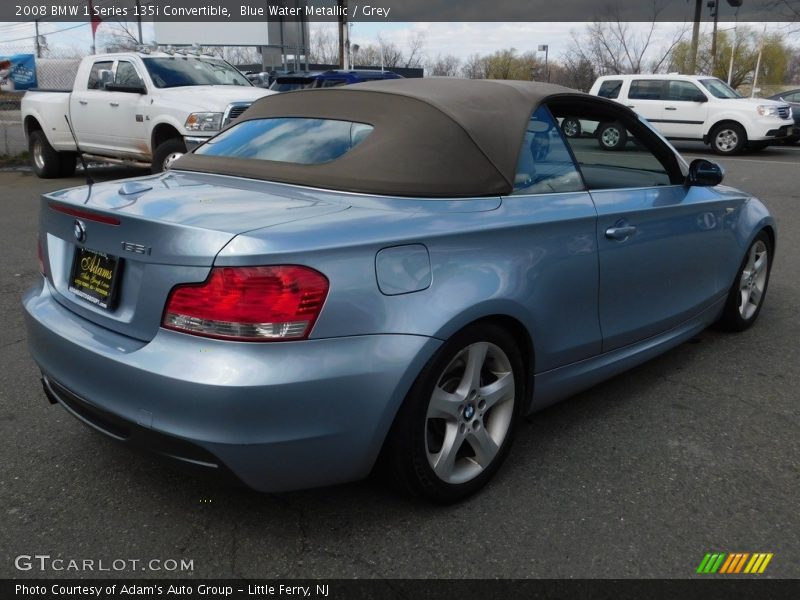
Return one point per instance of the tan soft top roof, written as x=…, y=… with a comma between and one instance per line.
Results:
x=432, y=137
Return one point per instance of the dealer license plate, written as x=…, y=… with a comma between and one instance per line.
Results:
x=95, y=277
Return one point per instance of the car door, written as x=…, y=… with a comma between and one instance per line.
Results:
x=86, y=102
x=660, y=243
x=685, y=111
x=124, y=113
x=647, y=97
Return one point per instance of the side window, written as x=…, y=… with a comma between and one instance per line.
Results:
x=683, y=91
x=633, y=160
x=646, y=89
x=326, y=83
x=95, y=75
x=610, y=89
x=792, y=97
x=126, y=74
x=545, y=165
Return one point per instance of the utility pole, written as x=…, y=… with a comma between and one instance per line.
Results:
x=139, y=20
x=38, y=45
x=344, y=35
x=714, y=6
x=698, y=13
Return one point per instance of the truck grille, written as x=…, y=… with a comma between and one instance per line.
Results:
x=235, y=111
x=784, y=112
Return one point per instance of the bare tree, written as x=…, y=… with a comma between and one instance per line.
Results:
x=324, y=46
x=416, y=53
x=444, y=66
x=474, y=67
x=613, y=46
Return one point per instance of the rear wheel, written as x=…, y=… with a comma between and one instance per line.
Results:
x=571, y=127
x=167, y=153
x=728, y=139
x=612, y=136
x=747, y=294
x=457, y=423
x=46, y=162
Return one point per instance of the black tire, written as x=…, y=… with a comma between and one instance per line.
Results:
x=728, y=139
x=414, y=432
x=165, y=151
x=66, y=168
x=612, y=136
x=571, y=127
x=739, y=312
x=46, y=162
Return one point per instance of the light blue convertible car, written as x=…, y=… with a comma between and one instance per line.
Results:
x=397, y=270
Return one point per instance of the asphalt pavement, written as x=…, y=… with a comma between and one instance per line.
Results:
x=696, y=451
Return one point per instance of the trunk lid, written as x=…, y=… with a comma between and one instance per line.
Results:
x=160, y=231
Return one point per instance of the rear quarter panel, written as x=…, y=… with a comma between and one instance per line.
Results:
x=48, y=109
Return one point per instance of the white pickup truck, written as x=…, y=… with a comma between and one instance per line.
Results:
x=134, y=107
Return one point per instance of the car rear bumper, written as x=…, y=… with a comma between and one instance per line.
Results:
x=278, y=416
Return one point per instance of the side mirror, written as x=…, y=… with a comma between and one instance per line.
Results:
x=700, y=98
x=705, y=173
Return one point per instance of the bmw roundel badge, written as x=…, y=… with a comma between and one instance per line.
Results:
x=79, y=230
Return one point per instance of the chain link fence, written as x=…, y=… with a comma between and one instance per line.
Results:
x=55, y=69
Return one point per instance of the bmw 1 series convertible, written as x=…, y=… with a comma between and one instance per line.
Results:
x=396, y=270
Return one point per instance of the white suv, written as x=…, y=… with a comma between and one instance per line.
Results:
x=691, y=107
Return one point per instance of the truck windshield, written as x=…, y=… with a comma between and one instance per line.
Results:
x=180, y=71
x=720, y=89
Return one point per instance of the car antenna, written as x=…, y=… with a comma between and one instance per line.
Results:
x=89, y=180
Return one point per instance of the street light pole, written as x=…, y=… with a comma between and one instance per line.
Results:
x=545, y=48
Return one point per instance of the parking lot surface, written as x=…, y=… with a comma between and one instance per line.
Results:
x=694, y=452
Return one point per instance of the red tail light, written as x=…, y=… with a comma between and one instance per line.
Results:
x=255, y=304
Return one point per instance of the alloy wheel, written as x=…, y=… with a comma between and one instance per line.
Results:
x=726, y=140
x=754, y=280
x=469, y=413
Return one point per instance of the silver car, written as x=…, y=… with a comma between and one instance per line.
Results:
x=399, y=269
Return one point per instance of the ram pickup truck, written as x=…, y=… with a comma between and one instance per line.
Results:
x=134, y=107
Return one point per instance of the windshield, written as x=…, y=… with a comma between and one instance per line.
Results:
x=720, y=89
x=180, y=71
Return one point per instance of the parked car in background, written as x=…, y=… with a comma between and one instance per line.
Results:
x=134, y=107
x=301, y=295
x=332, y=78
x=793, y=98
x=697, y=108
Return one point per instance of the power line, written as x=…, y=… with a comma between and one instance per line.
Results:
x=31, y=37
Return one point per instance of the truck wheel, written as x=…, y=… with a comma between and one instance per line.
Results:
x=571, y=127
x=66, y=164
x=612, y=136
x=728, y=139
x=45, y=161
x=167, y=152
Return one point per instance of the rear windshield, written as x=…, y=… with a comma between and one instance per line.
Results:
x=180, y=71
x=291, y=83
x=288, y=139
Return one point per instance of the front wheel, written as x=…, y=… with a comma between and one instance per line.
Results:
x=728, y=139
x=456, y=425
x=167, y=153
x=747, y=294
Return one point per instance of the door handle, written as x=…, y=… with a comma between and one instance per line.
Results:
x=82, y=102
x=671, y=108
x=631, y=105
x=114, y=103
x=620, y=232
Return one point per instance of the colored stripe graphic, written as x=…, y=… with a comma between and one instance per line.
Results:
x=734, y=563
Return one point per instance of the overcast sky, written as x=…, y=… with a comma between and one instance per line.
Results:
x=459, y=39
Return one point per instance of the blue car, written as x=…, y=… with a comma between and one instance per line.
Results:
x=388, y=273
x=326, y=79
